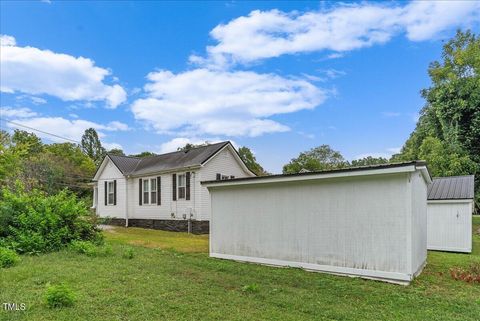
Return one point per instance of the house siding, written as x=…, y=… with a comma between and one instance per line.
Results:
x=109, y=173
x=224, y=163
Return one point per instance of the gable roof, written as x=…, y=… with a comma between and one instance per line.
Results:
x=129, y=165
x=450, y=188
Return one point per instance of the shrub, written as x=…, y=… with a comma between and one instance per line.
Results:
x=8, y=257
x=34, y=222
x=128, y=253
x=90, y=249
x=251, y=288
x=58, y=296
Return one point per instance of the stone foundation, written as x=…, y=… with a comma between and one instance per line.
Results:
x=198, y=227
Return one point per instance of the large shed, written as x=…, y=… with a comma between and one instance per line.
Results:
x=366, y=221
x=449, y=212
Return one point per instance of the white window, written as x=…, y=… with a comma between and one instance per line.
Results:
x=181, y=185
x=153, y=191
x=149, y=191
x=110, y=193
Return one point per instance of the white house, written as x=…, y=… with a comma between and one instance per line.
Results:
x=450, y=209
x=164, y=191
x=366, y=221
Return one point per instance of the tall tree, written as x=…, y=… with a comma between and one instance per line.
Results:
x=250, y=161
x=450, y=119
x=92, y=146
x=319, y=158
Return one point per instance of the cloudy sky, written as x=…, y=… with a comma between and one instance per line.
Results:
x=280, y=77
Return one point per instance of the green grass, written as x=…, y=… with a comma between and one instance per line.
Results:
x=171, y=277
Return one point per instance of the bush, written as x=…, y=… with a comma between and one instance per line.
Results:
x=34, y=222
x=8, y=257
x=58, y=296
x=128, y=253
x=90, y=249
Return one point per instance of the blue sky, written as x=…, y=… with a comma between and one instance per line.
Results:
x=278, y=77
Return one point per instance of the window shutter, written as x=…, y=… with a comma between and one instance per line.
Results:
x=115, y=192
x=174, y=187
x=106, y=193
x=159, y=190
x=187, y=187
x=140, y=191
x=219, y=176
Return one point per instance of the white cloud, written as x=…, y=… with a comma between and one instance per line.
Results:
x=236, y=103
x=7, y=41
x=71, y=129
x=16, y=112
x=268, y=34
x=35, y=71
x=174, y=144
x=110, y=146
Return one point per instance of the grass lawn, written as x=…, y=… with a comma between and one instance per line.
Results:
x=172, y=278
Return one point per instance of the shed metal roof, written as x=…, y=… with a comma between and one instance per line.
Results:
x=129, y=165
x=451, y=188
x=416, y=163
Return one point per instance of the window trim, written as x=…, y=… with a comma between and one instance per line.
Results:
x=110, y=191
x=184, y=186
x=151, y=200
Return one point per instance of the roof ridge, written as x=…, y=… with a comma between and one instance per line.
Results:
x=181, y=151
x=126, y=156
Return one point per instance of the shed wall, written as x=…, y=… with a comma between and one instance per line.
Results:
x=419, y=221
x=357, y=225
x=450, y=226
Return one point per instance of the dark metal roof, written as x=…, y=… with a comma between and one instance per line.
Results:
x=450, y=188
x=340, y=170
x=152, y=164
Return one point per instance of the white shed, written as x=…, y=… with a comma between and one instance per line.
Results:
x=449, y=212
x=367, y=221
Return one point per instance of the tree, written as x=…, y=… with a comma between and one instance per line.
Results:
x=92, y=146
x=143, y=154
x=251, y=162
x=116, y=151
x=28, y=141
x=368, y=161
x=319, y=158
x=189, y=146
x=448, y=131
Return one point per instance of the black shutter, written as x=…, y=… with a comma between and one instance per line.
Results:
x=174, y=187
x=140, y=191
x=106, y=193
x=187, y=188
x=219, y=176
x=115, y=192
x=159, y=190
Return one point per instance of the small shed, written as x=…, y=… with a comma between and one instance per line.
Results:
x=369, y=222
x=449, y=213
